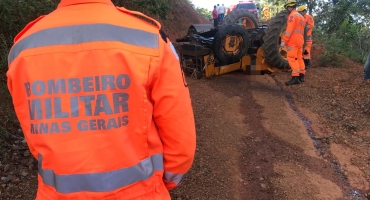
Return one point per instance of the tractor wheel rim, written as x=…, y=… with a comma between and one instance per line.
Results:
x=246, y=22
x=232, y=44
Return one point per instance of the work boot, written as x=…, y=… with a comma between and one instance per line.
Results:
x=301, y=78
x=294, y=80
x=306, y=63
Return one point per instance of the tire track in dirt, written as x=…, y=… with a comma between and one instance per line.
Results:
x=276, y=158
x=279, y=161
x=342, y=126
x=215, y=173
x=322, y=145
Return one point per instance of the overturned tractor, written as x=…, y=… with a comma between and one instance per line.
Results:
x=238, y=43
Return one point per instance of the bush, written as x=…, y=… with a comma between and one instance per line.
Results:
x=15, y=14
x=351, y=40
x=158, y=8
x=334, y=54
x=331, y=59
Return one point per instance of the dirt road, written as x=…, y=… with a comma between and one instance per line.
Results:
x=254, y=143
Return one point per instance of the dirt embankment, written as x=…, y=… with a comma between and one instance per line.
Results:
x=180, y=17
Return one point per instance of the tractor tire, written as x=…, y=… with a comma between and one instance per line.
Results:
x=235, y=15
x=220, y=40
x=272, y=41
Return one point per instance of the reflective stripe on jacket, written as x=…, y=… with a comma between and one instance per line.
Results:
x=101, y=100
x=294, y=34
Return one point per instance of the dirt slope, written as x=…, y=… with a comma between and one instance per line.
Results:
x=180, y=17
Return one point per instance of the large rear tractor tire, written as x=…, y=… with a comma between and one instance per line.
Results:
x=242, y=17
x=230, y=43
x=274, y=54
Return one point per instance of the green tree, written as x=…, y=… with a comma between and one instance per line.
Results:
x=158, y=8
x=204, y=12
x=343, y=26
x=346, y=22
x=190, y=3
x=275, y=6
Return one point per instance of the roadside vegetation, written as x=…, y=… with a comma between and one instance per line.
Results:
x=342, y=26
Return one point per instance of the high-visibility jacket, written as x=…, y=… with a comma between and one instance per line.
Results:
x=294, y=33
x=102, y=102
x=310, y=23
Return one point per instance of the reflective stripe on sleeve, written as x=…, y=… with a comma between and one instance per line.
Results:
x=174, y=178
x=174, y=51
x=76, y=34
x=102, y=181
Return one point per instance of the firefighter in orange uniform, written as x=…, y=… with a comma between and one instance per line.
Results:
x=102, y=103
x=293, y=41
x=266, y=13
x=310, y=23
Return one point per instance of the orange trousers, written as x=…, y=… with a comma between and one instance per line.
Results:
x=308, y=48
x=295, y=60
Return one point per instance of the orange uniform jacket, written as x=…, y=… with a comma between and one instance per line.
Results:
x=101, y=99
x=294, y=34
x=311, y=23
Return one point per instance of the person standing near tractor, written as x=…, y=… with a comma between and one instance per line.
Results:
x=102, y=103
x=215, y=16
x=310, y=23
x=221, y=13
x=293, y=41
x=266, y=13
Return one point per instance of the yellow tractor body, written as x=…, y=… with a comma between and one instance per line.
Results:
x=254, y=64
